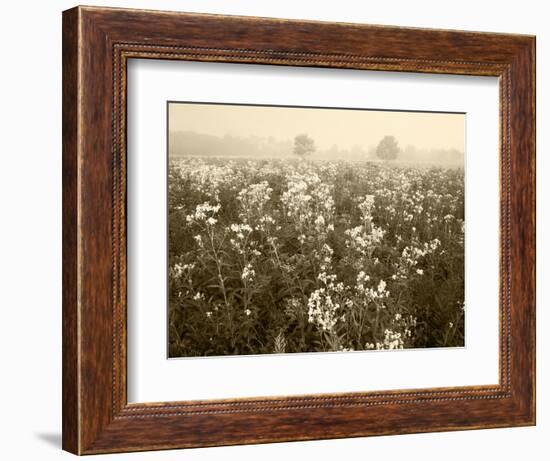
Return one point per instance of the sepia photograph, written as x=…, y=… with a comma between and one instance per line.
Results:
x=313, y=229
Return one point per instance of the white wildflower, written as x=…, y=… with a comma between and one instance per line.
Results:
x=248, y=273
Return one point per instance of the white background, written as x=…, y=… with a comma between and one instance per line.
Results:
x=153, y=378
x=30, y=232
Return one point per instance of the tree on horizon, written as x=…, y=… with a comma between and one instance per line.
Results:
x=387, y=148
x=303, y=145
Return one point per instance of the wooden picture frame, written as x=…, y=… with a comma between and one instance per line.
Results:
x=97, y=43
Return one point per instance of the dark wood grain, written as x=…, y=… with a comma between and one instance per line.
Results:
x=70, y=385
x=97, y=43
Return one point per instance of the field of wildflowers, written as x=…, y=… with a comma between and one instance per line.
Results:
x=275, y=256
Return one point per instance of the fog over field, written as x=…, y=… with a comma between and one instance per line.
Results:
x=218, y=130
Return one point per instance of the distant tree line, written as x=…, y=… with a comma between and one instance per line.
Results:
x=184, y=143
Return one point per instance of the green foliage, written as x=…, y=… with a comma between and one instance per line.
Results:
x=279, y=256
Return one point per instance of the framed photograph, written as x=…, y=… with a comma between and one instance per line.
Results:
x=281, y=230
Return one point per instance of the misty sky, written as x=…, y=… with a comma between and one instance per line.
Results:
x=327, y=127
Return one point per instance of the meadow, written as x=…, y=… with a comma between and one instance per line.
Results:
x=291, y=255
